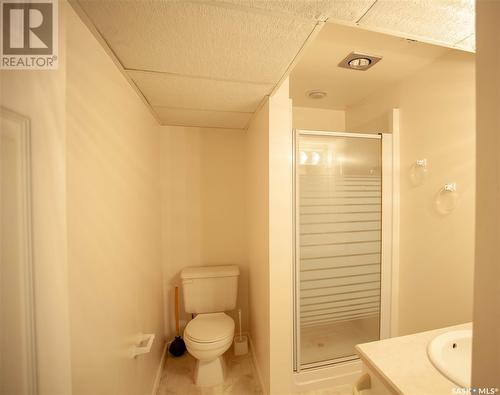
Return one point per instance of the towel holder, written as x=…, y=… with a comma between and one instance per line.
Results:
x=421, y=163
x=451, y=187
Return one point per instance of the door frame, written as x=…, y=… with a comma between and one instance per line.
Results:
x=20, y=133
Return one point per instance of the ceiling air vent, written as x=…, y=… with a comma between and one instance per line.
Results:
x=316, y=94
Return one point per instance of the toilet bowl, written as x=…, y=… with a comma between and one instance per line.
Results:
x=208, y=291
x=208, y=336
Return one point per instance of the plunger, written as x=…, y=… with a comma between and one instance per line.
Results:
x=177, y=347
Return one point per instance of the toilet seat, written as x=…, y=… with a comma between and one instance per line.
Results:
x=210, y=328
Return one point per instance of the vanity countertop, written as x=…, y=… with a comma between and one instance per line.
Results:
x=402, y=363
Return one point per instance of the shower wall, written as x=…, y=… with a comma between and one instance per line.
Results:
x=437, y=123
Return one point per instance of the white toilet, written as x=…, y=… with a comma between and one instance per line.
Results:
x=208, y=291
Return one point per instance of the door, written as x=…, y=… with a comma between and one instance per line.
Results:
x=338, y=223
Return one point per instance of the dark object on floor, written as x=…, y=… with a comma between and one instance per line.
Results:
x=177, y=347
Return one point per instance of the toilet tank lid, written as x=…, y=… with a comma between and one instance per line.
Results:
x=210, y=271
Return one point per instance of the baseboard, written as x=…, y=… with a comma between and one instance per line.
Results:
x=256, y=365
x=159, y=371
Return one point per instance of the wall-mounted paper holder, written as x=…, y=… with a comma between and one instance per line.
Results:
x=144, y=344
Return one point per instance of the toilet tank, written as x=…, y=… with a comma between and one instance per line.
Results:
x=210, y=289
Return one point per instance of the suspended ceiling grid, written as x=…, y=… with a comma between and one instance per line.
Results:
x=211, y=63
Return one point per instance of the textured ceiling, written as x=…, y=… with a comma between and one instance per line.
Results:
x=203, y=63
x=442, y=21
x=200, y=93
x=198, y=39
x=211, y=62
x=317, y=68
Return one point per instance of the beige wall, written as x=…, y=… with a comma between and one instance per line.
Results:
x=280, y=240
x=203, y=207
x=318, y=119
x=486, y=343
x=257, y=206
x=270, y=248
x=436, y=251
x=40, y=96
x=113, y=208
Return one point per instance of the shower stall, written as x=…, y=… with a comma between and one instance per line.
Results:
x=343, y=200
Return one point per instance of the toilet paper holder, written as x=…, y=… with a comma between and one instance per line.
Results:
x=144, y=344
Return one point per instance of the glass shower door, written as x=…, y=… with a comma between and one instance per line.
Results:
x=338, y=244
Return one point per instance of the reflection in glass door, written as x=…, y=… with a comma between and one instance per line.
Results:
x=338, y=244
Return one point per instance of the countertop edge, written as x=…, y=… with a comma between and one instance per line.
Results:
x=380, y=375
x=373, y=355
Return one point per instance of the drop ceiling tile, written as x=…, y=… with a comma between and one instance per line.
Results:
x=312, y=9
x=168, y=90
x=200, y=39
x=444, y=21
x=344, y=10
x=349, y=10
x=199, y=118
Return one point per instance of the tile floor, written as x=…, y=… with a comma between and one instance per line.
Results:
x=241, y=377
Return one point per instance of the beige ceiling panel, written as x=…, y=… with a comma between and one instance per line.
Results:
x=170, y=90
x=196, y=38
x=199, y=118
x=312, y=9
x=349, y=10
x=443, y=21
x=341, y=10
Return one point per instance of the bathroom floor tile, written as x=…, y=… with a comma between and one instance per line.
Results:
x=241, y=378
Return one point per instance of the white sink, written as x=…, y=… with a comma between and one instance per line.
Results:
x=451, y=354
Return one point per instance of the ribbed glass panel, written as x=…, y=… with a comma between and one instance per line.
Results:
x=339, y=237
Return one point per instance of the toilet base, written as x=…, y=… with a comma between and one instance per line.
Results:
x=210, y=373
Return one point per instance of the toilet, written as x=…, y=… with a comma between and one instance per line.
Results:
x=209, y=291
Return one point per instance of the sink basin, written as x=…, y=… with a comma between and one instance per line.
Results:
x=451, y=354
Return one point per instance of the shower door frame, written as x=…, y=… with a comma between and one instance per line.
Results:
x=386, y=303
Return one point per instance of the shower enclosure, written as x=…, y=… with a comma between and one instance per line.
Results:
x=342, y=229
